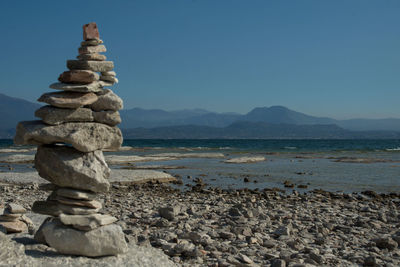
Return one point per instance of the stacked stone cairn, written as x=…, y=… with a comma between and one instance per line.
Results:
x=14, y=220
x=77, y=124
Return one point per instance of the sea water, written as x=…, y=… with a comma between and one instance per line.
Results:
x=318, y=164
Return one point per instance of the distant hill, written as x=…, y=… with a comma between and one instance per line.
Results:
x=13, y=110
x=255, y=130
x=261, y=122
x=135, y=118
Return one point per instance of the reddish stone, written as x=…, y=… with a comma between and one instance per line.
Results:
x=90, y=31
x=78, y=76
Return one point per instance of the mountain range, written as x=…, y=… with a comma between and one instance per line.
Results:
x=261, y=122
x=138, y=117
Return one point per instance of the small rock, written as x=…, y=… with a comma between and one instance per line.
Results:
x=169, y=213
x=90, y=31
x=386, y=242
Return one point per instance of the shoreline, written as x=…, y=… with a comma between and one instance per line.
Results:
x=249, y=227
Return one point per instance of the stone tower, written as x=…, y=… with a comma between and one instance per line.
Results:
x=77, y=123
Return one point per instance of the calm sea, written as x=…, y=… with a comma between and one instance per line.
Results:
x=261, y=145
x=327, y=164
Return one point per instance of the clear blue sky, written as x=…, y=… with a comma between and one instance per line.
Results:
x=330, y=58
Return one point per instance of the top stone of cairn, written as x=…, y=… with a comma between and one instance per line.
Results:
x=90, y=31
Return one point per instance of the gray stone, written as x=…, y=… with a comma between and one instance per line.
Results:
x=87, y=222
x=9, y=217
x=386, y=242
x=75, y=194
x=15, y=208
x=92, y=49
x=283, y=230
x=85, y=137
x=278, y=263
x=83, y=203
x=107, y=100
x=102, y=241
x=97, y=66
x=55, y=116
x=14, y=226
x=243, y=258
x=109, y=73
x=90, y=57
x=68, y=99
x=110, y=79
x=46, y=207
x=66, y=167
x=109, y=117
x=13, y=254
x=54, y=208
x=83, y=88
x=169, y=213
x=92, y=42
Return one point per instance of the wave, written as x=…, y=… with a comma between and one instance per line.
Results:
x=393, y=149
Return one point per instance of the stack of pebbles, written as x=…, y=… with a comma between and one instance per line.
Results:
x=14, y=220
x=76, y=126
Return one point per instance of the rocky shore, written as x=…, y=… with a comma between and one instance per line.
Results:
x=248, y=228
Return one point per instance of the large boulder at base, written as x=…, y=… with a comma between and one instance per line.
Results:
x=85, y=137
x=55, y=116
x=103, y=241
x=107, y=100
x=67, y=167
x=68, y=99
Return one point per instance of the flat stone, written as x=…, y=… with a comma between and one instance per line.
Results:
x=78, y=76
x=97, y=66
x=55, y=116
x=54, y=208
x=109, y=73
x=87, y=222
x=83, y=88
x=75, y=194
x=68, y=99
x=92, y=49
x=85, y=137
x=9, y=217
x=15, y=208
x=67, y=167
x=102, y=241
x=90, y=31
x=110, y=79
x=92, y=42
x=46, y=207
x=107, y=100
x=14, y=226
x=83, y=203
x=93, y=56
